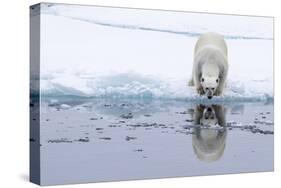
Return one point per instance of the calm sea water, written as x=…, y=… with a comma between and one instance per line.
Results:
x=91, y=140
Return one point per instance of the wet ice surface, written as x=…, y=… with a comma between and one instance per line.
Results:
x=105, y=140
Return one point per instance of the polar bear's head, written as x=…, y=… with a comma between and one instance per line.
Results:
x=209, y=116
x=209, y=85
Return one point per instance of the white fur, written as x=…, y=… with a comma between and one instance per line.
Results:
x=210, y=63
x=209, y=144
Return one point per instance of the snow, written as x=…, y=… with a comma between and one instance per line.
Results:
x=112, y=52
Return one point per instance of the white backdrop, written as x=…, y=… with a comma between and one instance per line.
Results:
x=14, y=93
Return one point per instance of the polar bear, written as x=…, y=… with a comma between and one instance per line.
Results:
x=209, y=143
x=210, y=65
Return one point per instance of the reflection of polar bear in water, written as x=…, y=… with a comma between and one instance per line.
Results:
x=210, y=65
x=209, y=143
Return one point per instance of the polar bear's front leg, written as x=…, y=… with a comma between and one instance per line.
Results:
x=221, y=86
x=191, y=81
x=200, y=90
x=197, y=83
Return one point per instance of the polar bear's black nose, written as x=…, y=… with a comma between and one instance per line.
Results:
x=209, y=109
x=209, y=97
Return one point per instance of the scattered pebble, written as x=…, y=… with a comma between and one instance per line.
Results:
x=98, y=129
x=147, y=115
